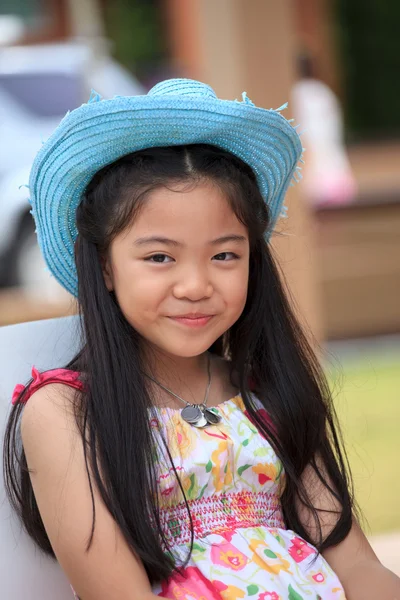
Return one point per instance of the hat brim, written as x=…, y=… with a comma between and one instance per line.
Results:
x=97, y=134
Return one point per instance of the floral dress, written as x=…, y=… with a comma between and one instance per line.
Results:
x=232, y=479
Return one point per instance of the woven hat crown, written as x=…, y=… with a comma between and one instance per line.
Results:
x=182, y=87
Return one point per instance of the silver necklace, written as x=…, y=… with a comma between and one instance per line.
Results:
x=197, y=415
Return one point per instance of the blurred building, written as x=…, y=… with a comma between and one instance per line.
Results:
x=357, y=54
x=237, y=45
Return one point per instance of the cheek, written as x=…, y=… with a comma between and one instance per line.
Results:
x=138, y=292
x=238, y=296
x=236, y=290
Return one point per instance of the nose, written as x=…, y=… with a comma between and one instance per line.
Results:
x=193, y=284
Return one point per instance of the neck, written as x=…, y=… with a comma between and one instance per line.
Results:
x=185, y=376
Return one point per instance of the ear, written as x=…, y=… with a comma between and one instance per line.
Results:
x=107, y=272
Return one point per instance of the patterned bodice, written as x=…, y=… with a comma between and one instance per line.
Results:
x=230, y=474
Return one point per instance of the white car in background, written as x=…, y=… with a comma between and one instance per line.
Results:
x=38, y=85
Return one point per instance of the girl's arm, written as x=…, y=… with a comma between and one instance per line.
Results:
x=54, y=453
x=353, y=560
x=359, y=570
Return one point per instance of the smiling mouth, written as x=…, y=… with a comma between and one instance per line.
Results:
x=193, y=321
x=192, y=316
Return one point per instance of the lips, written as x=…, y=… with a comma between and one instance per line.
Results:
x=192, y=316
x=193, y=320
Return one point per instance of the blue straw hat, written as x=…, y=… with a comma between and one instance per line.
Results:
x=174, y=112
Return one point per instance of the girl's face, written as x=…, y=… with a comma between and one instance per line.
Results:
x=186, y=254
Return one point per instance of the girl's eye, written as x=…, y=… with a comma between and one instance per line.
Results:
x=224, y=255
x=158, y=258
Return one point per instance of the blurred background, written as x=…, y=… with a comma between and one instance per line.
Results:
x=338, y=64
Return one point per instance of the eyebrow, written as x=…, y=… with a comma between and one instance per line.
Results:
x=156, y=239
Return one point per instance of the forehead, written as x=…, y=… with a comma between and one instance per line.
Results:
x=186, y=211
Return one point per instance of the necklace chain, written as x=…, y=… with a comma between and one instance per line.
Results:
x=204, y=403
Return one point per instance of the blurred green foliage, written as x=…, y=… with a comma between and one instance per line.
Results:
x=23, y=8
x=369, y=44
x=368, y=405
x=137, y=31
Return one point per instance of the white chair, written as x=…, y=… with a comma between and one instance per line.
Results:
x=25, y=573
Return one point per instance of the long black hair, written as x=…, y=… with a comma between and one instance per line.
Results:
x=266, y=343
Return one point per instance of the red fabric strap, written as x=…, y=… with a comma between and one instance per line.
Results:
x=65, y=376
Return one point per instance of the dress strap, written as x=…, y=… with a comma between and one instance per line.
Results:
x=65, y=376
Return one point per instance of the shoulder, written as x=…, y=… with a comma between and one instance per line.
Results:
x=49, y=415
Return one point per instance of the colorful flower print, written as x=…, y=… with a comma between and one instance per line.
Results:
x=181, y=438
x=269, y=596
x=191, y=585
x=265, y=471
x=268, y=560
x=190, y=486
x=227, y=555
x=264, y=416
x=228, y=592
x=299, y=550
x=318, y=577
x=221, y=469
x=167, y=491
x=242, y=505
x=167, y=483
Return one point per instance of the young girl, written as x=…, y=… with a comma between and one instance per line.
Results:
x=189, y=450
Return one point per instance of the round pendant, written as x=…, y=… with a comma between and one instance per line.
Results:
x=202, y=422
x=212, y=417
x=191, y=414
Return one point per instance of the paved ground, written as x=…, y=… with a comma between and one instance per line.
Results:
x=387, y=548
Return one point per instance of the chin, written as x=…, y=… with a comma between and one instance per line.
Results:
x=188, y=351
x=187, y=348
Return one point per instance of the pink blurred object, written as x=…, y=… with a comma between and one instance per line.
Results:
x=328, y=178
